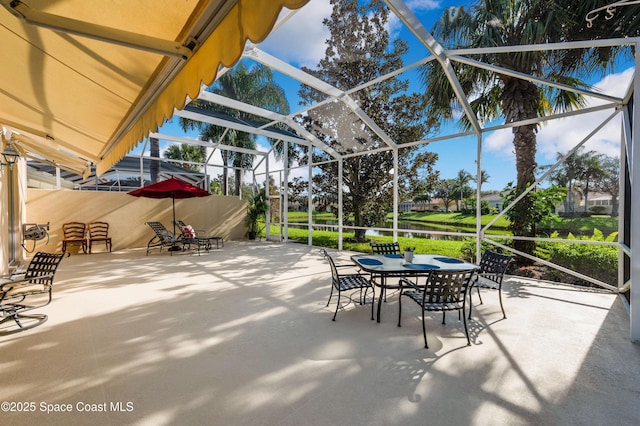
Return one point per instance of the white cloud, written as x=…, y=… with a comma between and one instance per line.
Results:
x=301, y=40
x=564, y=134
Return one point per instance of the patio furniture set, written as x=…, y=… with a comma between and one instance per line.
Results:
x=435, y=283
x=188, y=238
x=85, y=235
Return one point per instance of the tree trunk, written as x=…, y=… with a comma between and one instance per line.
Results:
x=225, y=172
x=238, y=182
x=154, y=165
x=519, y=102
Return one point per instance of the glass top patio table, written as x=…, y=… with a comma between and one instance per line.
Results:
x=390, y=265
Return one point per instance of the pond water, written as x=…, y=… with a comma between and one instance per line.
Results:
x=405, y=229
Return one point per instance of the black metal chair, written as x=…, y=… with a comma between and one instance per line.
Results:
x=162, y=238
x=385, y=248
x=32, y=291
x=347, y=282
x=444, y=291
x=204, y=240
x=492, y=269
x=388, y=249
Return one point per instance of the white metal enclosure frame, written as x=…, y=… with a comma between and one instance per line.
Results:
x=444, y=58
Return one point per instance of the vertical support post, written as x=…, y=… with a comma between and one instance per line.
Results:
x=267, y=197
x=12, y=216
x=635, y=207
x=478, y=200
x=395, y=194
x=340, y=210
x=624, y=142
x=58, y=178
x=310, y=195
x=285, y=189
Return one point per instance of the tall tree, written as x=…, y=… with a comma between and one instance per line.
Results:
x=359, y=51
x=462, y=188
x=609, y=182
x=446, y=192
x=154, y=164
x=491, y=23
x=185, y=154
x=254, y=86
x=592, y=169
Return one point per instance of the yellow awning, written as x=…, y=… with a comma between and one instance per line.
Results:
x=96, y=77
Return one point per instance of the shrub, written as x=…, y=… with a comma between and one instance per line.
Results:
x=599, y=262
x=597, y=209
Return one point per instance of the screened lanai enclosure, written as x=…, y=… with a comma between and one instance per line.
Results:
x=331, y=127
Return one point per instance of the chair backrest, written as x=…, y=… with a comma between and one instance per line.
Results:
x=42, y=268
x=385, y=248
x=334, y=271
x=493, y=265
x=180, y=224
x=161, y=232
x=74, y=230
x=98, y=230
x=447, y=286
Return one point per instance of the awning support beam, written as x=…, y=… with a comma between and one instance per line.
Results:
x=98, y=32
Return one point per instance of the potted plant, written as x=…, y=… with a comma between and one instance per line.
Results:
x=256, y=210
x=408, y=254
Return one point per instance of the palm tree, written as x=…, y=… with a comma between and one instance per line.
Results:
x=462, y=180
x=186, y=154
x=491, y=23
x=592, y=170
x=254, y=86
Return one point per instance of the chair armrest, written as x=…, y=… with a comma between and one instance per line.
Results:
x=404, y=282
x=5, y=286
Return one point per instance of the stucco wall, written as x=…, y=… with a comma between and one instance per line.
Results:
x=126, y=215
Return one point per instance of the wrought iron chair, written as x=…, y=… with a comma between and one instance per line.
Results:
x=162, y=238
x=385, y=248
x=389, y=249
x=99, y=232
x=189, y=238
x=32, y=291
x=206, y=239
x=346, y=282
x=492, y=269
x=74, y=233
x=444, y=291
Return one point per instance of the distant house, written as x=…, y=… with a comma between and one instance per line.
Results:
x=494, y=200
x=595, y=199
x=405, y=206
x=599, y=199
x=434, y=205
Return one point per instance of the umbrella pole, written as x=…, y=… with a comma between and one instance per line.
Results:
x=175, y=236
x=173, y=201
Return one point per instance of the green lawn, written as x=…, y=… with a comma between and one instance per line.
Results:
x=606, y=224
x=330, y=239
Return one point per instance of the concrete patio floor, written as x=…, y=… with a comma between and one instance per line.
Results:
x=241, y=336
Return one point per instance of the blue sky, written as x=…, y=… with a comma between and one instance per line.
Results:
x=301, y=43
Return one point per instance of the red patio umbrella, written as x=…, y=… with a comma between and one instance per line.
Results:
x=171, y=188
